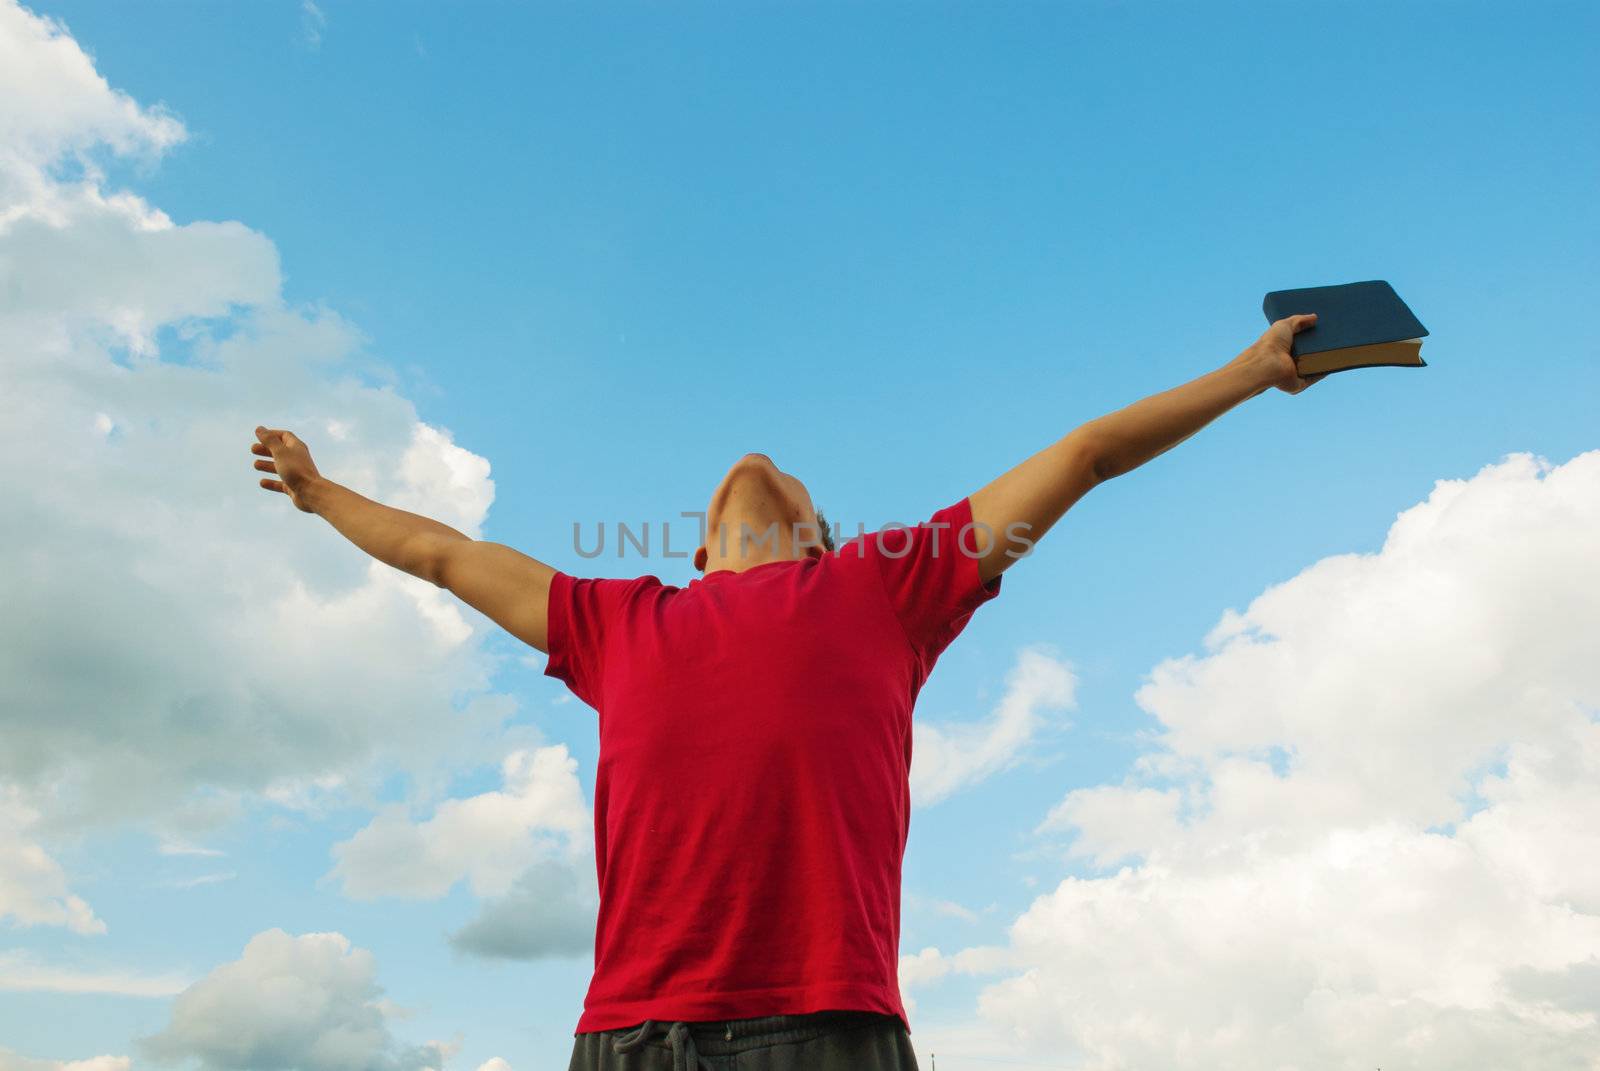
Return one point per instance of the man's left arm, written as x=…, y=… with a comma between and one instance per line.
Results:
x=1020, y=506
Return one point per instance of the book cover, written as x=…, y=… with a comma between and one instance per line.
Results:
x=1359, y=325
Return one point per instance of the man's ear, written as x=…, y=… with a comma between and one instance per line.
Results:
x=700, y=558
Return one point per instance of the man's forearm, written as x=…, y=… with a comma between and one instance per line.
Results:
x=408, y=541
x=1124, y=440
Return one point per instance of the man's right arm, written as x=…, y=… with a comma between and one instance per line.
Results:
x=503, y=584
x=506, y=586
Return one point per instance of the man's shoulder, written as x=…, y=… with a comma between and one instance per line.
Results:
x=609, y=591
x=648, y=580
x=892, y=538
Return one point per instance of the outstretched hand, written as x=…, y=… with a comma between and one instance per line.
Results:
x=290, y=462
x=1270, y=355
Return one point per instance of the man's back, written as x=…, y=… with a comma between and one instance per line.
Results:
x=752, y=799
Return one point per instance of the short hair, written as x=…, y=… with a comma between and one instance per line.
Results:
x=827, y=533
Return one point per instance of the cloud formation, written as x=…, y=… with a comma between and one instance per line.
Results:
x=180, y=643
x=525, y=847
x=10, y=1061
x=310, y=1002
x=930, y=965
x=312, y=22
x=486, y=840
x=1368, y=832
x=946, y=758
x=550, y=912
x=21, y=972
x=56, y=105
x=33, y=887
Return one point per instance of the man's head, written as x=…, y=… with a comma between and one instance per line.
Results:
x=759, y=513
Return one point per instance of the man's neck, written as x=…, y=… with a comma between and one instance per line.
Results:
x=746, y=544
x=736, y=562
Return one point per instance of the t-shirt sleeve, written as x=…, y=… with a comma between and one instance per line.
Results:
x=931, y=575
x=581, y=615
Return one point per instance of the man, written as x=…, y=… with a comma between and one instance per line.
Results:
x=752, y=794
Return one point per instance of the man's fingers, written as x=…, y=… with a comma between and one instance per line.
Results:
x=274, y=485
x=272, y=440
x=267, y=466
x=266, y=435
x=1301, y=322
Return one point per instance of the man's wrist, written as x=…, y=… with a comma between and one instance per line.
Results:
x=314, y=493
x=1253, y=373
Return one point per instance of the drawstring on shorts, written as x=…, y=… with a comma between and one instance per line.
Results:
x=685, y=1057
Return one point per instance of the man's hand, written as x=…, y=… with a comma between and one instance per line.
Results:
x=1269, y=356
x=291, y=463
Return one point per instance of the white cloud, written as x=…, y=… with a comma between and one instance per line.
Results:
x=930, y=965
x=1368, y=833
x=10, y=1061
x=312, y=23
x=33, y=887
x=912, y=901
x=488, y=839
x=57, y=105
x=179, y=848
x=20, y=972
x=550, y=912
x=494, y=1063
x=524, y=846
x=117, y=271
x=1113, y=821
x=955, y=910
x=182, y=643
x=310, y=1002
x=948, y=758
x=202, y=879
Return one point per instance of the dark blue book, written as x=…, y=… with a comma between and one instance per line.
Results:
x=1359, y=325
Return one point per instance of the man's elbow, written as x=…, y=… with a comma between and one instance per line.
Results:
x=436, y=560
x=1094, y=456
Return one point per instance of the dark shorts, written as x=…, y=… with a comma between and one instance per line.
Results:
x=817, y=1041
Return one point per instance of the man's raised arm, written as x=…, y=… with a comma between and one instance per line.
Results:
x=1021, y=505
x=505, y=585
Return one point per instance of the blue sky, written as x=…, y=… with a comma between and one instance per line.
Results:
x=898, y=248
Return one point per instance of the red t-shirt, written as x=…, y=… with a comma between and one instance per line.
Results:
x=752, y=798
